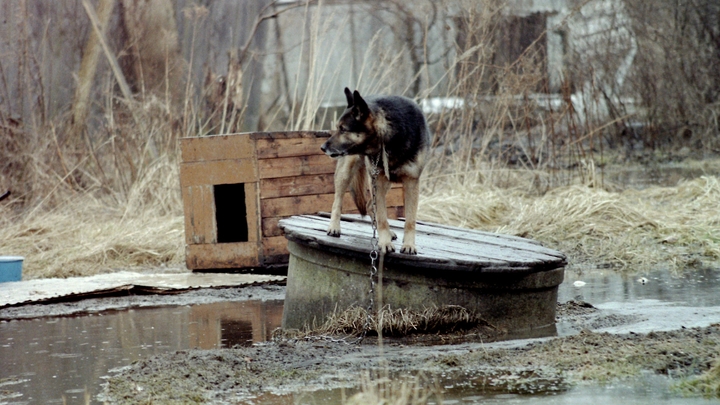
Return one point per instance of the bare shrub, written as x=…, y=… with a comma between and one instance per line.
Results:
x=647, y=82
x=677, y=74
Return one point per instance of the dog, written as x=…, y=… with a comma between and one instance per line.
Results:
x=388, y=135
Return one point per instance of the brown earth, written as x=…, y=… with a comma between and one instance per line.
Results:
x=540, y=365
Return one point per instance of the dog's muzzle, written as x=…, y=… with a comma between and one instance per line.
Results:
x=330, y=152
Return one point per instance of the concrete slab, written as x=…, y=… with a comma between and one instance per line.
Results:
x=58, y=289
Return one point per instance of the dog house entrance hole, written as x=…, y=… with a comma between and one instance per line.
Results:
x=231, y=213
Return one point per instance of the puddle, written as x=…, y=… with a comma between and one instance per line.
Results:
x=61, y=360
x=65, y=359
x=649, y=389
x=697, y=288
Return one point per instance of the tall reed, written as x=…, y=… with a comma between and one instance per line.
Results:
x=500, y=131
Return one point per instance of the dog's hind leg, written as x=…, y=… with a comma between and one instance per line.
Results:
x=345, y=169
x=385, y=235
x=412, y=191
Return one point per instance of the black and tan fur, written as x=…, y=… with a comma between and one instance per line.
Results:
x=389, y=132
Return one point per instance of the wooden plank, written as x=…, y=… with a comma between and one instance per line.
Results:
x=358, y=234
x=199, y=206
x=489, y=238
x=299, y=185
x=276, y=260
x=446, y=250
x=289, y=134
x=394, y=198
x=295, y=166
x=252, y=208
x=273, y=246
x=275, y=148
x=456, y=244
x=430, y=257
x=270, y=225
x=310, y=204
x=218, y=172
x=516, y=255
x=396, y=212
x=222, y=255
x=218, y=147
x=468, y=231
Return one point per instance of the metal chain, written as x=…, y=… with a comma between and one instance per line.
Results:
x=374, y=248
x=374, y=259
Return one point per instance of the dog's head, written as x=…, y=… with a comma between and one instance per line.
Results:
x=355, y=132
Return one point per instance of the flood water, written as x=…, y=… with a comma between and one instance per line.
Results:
x=697, y=288
x=646, y=390
x=65, y=359
x=61, y=360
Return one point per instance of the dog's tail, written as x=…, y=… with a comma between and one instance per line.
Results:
x=359, y=188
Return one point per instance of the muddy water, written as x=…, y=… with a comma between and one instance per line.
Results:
x=647, y=390
x=62, y=360
x=649, y=300
x=698, y=288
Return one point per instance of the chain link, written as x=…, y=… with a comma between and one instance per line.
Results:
x=375, y=257
x=374, y=248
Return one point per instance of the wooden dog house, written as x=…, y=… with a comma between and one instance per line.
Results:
x=235, y=189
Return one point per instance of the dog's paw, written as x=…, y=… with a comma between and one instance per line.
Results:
x=334, y=232
x=394, y=235
x=385, y=241
x=408, y=250
x=386, y=247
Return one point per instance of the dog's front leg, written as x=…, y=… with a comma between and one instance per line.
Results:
x=385, y=236
x=412, y=191
x=345, y=168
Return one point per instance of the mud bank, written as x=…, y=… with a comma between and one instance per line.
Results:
x=528, y=366
x=124, y=301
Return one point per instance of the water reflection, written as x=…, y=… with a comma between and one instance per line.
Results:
x=697, y=288
x=648, y=389
x=59, y=360
x=63, y=359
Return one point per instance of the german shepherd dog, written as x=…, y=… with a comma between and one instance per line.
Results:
x=387, y=134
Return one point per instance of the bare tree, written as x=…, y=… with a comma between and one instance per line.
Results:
x=677, y=74
x=411, y=24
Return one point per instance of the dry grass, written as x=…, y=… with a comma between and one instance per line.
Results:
x=88, y=234
x=631, y=230
x=108, y=197
x=397, y=322
x=706, y=384
x=635, y=230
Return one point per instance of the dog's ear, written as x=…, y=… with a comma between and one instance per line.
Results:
x=360, y=106
x=349, y=97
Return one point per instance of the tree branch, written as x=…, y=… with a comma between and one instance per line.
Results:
x=260, y=19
